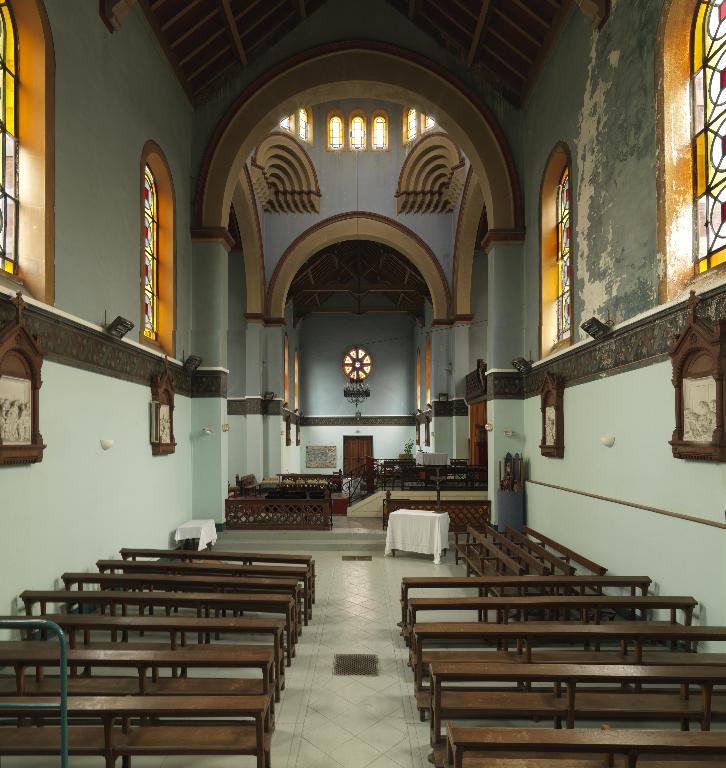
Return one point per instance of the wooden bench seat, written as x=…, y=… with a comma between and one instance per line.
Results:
x=467, y=747
x=215, y=570
x=204, y=604
x=523, y=585
x=567, y=554
x=179, y=727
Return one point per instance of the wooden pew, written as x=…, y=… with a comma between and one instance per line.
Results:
x=519, y=700
x=483, y=557
x=23, y=654
x=530, y=635
x=203, y=603
x=190, y=583
x=567, y=554
x=151, y=726
x=176, y=627
x=552, y=562
x=521, y=585
x=217, y=570
x=589, y=607
x=476, y=747
x=245, y=558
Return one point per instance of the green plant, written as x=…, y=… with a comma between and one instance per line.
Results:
x=408, y=447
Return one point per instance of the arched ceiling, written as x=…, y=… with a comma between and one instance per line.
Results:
x=358, y=276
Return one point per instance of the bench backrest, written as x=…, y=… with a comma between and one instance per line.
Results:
x=568, y=553
x=481, y=546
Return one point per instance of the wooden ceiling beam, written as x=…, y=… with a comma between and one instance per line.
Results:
x=272, y=9
x=179, y=14
x=202, y=45
x=476, y=39
x=532, y=13
x=511, y=45
x=519, y=29
x=234, y=32
x=222, y=50
x=301, y=10
x=463, y=29
x=412, y=9
x=521, y=75
x=199, y=23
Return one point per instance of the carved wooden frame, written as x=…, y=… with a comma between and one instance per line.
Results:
x=288, y=435
x=162, y=392
x=699, y=350
x=427, y=428
x=22, y=357
x=552, y=395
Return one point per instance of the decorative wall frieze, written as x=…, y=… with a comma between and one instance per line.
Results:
x=475, y=383
x=69, y=343
x=363, y=421
x=449, y=408
x=253, y=406
x=504, y=385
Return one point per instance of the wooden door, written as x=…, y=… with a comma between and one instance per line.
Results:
x=355, y=450
x=477, y=434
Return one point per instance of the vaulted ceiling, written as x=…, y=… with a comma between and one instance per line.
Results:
x=358, y=276
x=506, y=40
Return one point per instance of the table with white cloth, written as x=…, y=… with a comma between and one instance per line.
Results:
x=418, y=530
x=432, y=459
x=204, y=530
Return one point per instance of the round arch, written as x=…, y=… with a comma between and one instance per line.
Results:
x=467, y=227
x=391, y=73
x=357, y=225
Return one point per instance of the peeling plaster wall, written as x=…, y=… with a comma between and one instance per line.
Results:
x=597, y=95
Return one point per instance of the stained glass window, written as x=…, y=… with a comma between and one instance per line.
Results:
x=709, y=130
x=335, y=132
x=427, y=123
x=303, y=124
x=411, y=128
x=357, y=364
x=8, y=141
x=358, y=133
x=288, y=123
x=564, y=262
x=151, y=257
x=380, y=132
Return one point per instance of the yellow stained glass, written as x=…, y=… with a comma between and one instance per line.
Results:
x=303, y=125
x=8, y=140
x=380, y=132
x=427, y=123
x=151, y=257
x=335, y=133
x=411, y=125
x=357, y=133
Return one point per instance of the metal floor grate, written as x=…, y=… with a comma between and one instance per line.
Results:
x=355, y=664
x=357, y=557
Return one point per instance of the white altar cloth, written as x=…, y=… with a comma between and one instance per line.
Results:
x=432, y=459
x=204, y=530
x=418, y=530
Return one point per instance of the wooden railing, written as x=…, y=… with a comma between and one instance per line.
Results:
x=254, y=512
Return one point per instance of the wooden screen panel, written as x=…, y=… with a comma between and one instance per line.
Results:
x=356, y=448
x=478, y=434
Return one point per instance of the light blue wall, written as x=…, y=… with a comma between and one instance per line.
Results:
x=357, y=181
x=82, y=503
x=388, y=337
x=388, y=442
x=113, y=94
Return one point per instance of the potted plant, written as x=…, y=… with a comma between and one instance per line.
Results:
x=407, y=450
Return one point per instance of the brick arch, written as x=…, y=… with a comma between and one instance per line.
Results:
x=357, y=225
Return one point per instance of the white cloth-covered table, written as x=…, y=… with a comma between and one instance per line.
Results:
x=432, y=459
x=418, y=530
x=204, y=530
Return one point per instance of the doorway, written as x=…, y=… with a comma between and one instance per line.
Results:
x=355, y=450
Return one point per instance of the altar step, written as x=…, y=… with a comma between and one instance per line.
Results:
x=339, y=539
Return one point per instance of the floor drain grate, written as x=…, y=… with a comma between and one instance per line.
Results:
x=357, y=557
x=355, y=664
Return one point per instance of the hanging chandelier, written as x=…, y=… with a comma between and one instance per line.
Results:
x=355, y=392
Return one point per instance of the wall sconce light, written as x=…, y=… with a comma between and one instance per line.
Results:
x=489, y=427
x=522, y=365
x=225, y=427
x=596, y=328
x=508, y=432
x=207, y=430
x=119, y=327
x=192, y=363
x=268, y=396
x=106, y=443
x=608, y=441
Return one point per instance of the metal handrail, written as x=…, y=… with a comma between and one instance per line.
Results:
x=50, y=626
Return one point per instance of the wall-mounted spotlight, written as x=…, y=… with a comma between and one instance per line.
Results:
x=522, y=365
x=596, y=328
x=207, y=430
x=191, y=364
x=119, y=327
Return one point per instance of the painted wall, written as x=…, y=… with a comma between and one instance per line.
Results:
x=389, y=338
x=113, y=94
x=357, y=181
x=597, y=95
x=637, y=409
x=388, y=442
x=82, y=503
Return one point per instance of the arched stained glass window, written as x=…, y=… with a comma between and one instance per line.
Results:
x=9, y=141
x=303, y=124
x=357, y=364
x=564, y=263
x=358, y=132
x=151, y=257
x=427, y=123
x=410, y=125
x=288, y=123
x=709, y=130
x=335, y=132
x=380, y=132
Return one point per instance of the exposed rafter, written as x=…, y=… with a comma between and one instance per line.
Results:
x=477, y=32
x=234, y=32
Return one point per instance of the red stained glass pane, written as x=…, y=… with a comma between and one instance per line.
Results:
x=722, y=12
x=723, y=211
x=722, y=74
